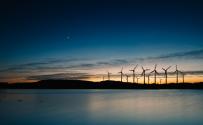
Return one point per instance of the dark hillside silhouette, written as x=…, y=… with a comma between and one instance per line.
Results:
x=78, y=84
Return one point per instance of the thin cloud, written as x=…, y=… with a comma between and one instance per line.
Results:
x=62, y=76
x=194, y=72
x=195, y=54
x=50, y=64
x=113, y=62
x=61, y=65
x=71, y=64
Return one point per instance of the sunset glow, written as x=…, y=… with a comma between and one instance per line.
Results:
x=86, y=39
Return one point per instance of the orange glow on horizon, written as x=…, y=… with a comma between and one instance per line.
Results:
x=189, y=79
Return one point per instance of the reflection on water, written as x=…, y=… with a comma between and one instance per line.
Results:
x=70, y=107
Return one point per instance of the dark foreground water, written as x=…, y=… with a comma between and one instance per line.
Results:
x=101, y=107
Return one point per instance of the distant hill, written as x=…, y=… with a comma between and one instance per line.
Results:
x=78, y=84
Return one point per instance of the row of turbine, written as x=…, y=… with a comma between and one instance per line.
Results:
x=144, y=74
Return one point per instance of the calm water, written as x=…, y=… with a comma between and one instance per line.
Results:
x=99, y=107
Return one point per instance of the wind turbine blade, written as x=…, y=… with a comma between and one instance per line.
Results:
x=168, y=67
x=152, y=71
x=121, y=69
x=142, y=68
x=155, y=66
x=135, y=66
x=142, y=73
x=164, y=69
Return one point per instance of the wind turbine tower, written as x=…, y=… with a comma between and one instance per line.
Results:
x=121, y=72
x=155, y=73
x=183, y=75
x=166, y=73
x=148, y=78
x=177, y=73
x=160, y=81
x=133, y=70
x=137, y=79
x=143, y=73
x=127, y=76
x=108, y=75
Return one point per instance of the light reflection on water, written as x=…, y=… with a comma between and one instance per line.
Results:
x=62, y=107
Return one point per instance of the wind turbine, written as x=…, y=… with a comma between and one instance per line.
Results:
x=143, y=73
x=127, y=76
x=166, y=73
x=160, y=81
x=137, y=79
x=155, y=73
x=133, y=70
x=108, y=75
x=121, y=72
x=177, y=71
x=148, y=78
x=183, y=74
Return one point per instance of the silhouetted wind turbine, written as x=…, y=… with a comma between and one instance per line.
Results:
x=155, y=73
x=166, y=73
x=133, y=70
x=109, y=75
x=176, y=71
x=137, y=79
x=127, y=76
x=143, y=73
x=121, y=72
x=148, y=78
x=160, y=81
x=183, y=74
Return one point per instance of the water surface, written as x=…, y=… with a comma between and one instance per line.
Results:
x=99, y=107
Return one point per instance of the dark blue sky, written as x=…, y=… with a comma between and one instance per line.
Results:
x=40, y=30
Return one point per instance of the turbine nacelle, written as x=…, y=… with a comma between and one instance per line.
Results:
x=121, y=71
x=143, y=71
x=166, y=68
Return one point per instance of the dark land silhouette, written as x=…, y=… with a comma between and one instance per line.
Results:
x=79, y=84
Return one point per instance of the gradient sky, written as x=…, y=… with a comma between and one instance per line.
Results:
x=83, y=39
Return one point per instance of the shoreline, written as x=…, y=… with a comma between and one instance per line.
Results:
x=78, y=84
